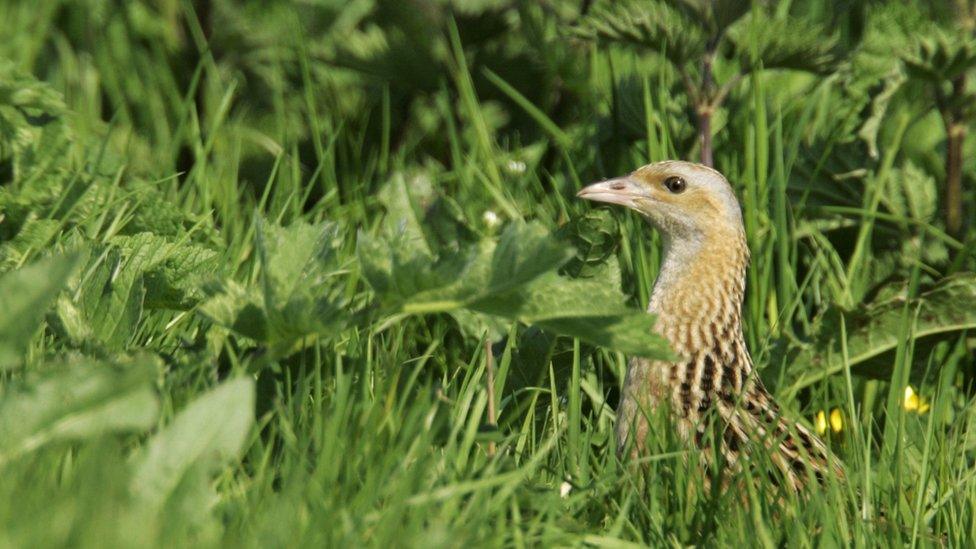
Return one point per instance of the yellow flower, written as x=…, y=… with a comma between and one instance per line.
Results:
x=913, y=402
x=821, y=422
x=835, y=421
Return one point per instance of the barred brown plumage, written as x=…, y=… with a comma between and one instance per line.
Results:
x=698, y=299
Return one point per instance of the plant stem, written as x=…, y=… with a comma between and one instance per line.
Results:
x=492, y=414
x=705, y=135
x=953, y=190
x=955, y=136
x=704, y=110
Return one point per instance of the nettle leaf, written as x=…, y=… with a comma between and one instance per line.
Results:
x=592, y=309
x=34, y=235
x=294, y=259
x=153, y=212
x=126, y=276
x=595, y=235
x=210, y=433
x=301, y=275
x=107, y=304
x=422, y=221
x=782, y=43
x=941, y=56
x=716, y=14
x=172, y=269
x=33, y=134
x=417, y=283
x=651, y=25
x=487, y=271
x=78, y=401
x=912, y=193
x=879, y=110
x=26, y=294
x=238, y=308
x=404, y=213
x=514, y=278
x=19, y=89
x=872, y=333
x=41, y=197
x=300, y=290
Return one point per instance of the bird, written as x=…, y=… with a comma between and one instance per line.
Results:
x=697, y=299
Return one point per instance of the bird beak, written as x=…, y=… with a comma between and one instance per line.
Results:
x=620, y=190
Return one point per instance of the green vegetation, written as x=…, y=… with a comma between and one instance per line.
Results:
x=313, y=273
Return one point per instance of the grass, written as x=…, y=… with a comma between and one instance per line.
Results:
x=216, y=231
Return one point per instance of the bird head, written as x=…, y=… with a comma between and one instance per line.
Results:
x=681, y=199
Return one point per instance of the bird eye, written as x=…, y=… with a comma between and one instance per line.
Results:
x=675, y=184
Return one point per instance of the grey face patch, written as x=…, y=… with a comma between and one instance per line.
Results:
x=679, y=219
x=697, y=175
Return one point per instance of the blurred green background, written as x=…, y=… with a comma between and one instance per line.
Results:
x=314, y=272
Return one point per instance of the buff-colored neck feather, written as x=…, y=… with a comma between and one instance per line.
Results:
x=698, y=294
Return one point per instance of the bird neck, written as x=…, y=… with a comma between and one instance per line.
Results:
x=698, y=294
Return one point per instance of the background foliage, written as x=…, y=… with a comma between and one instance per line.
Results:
x=314, y=273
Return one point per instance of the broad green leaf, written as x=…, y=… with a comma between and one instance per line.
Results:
x=171, y=269
x=237, y=308
x=514, y=278
x=121, y=279
x=109, y=303
x=25, y=297
x=32, y=129
x=32, y=237
x=911, y=193
x=943, y=311
x=765, y=41
x=298, y=263
x=416, y=284
x=879, y=109
x=940, y=56
x=718, y=15
x=154, y=212
x=415, y=228
x=651, y=25
x=592, y=309
x=522, y=255
x=397, y=274
x=596, y=236
x=18, y=89
x=403, y=214
x=210, y=433
x=77, y=401
x=125, y=277
x=300, y=292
